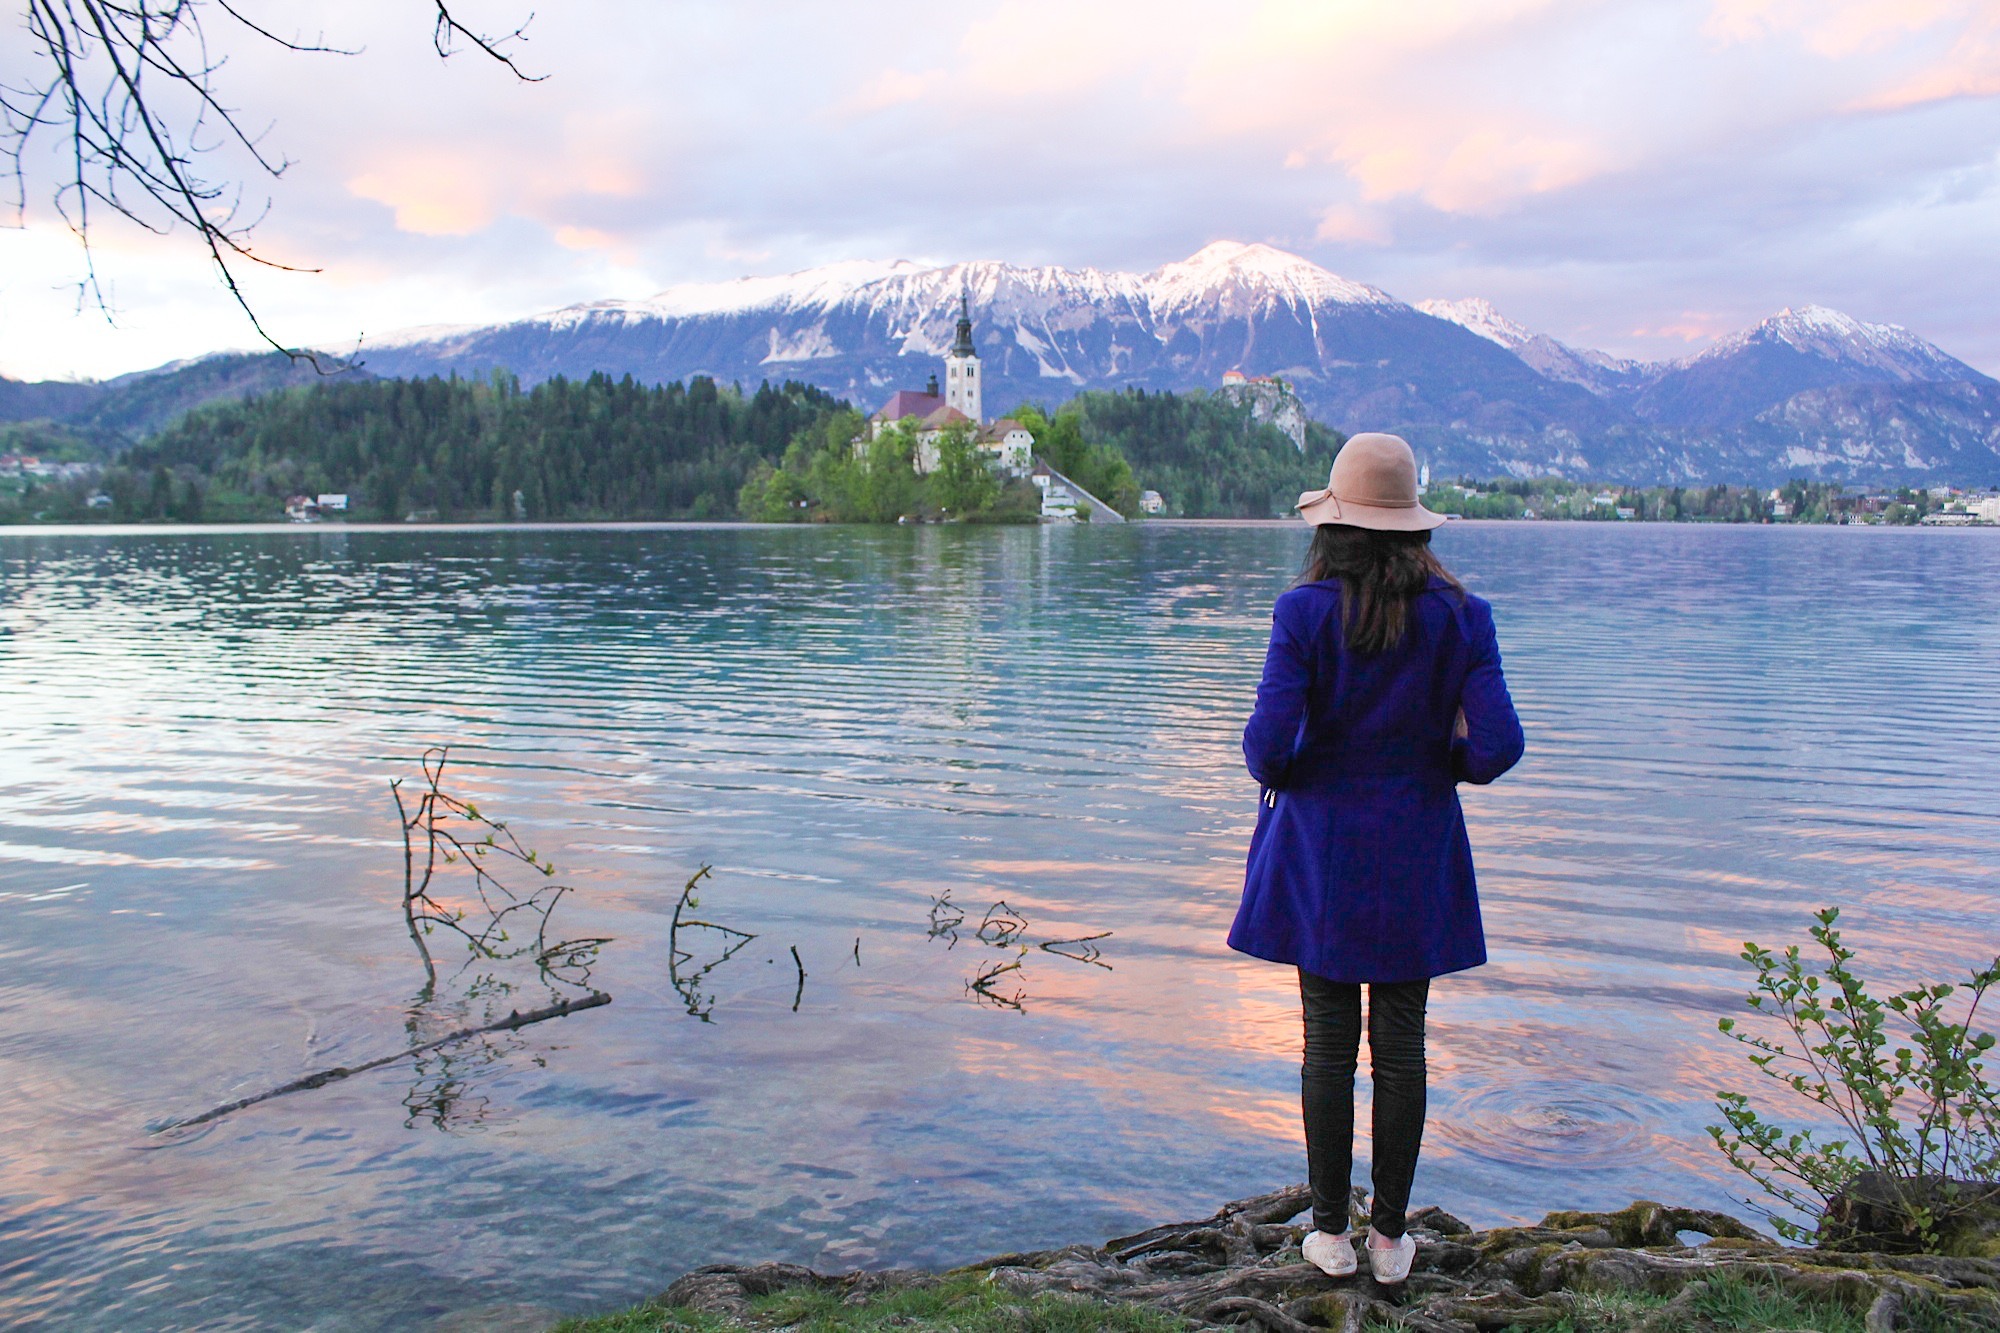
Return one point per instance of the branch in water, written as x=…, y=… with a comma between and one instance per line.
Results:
x=325, y=1076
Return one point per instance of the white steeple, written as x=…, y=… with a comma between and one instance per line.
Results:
x=961, y=369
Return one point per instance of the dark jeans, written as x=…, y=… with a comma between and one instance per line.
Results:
x=1396, y=1054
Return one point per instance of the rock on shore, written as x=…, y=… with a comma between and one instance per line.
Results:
x=1242, y=1266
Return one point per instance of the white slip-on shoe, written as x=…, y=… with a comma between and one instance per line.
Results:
x=1391, y=1266
x=1332, y=1255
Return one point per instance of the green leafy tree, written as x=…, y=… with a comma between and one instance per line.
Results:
x=885, y=487
x=962, y=483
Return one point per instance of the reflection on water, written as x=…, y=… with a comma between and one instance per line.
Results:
x=1028, y=735
x=997, y=982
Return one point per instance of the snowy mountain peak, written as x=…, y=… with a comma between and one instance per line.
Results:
x=1257, y=270
x=1477, y=315
x=808, y=287
x=1889, y=350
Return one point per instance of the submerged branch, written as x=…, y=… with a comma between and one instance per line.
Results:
x=325, y=1076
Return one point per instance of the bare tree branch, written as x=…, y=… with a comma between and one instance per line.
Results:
x=130, y=87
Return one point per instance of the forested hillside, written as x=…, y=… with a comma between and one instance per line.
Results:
x=596, y=448
x=614, y=449
x=1204, y=454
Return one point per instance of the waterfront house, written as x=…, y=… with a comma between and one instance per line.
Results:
x=1011, y=444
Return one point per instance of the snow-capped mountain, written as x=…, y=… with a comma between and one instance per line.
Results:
x=1356, y=355
x=1792, y=352
x=1806, y=392
x=1596, y=371
x=1078, y=325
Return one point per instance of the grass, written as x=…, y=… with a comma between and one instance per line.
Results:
x=967, y=1304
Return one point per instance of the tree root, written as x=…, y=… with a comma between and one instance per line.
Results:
x=1242, y=1268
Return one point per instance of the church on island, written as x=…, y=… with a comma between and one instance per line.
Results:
x=1008, y=446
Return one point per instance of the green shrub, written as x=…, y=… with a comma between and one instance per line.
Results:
x=1906, y=1083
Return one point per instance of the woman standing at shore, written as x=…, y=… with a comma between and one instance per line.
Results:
x=1382, y=691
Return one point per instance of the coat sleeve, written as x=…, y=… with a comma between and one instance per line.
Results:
x=1272, y=735
x=1493, y=742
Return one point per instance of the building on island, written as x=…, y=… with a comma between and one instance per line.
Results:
x=1008, y=444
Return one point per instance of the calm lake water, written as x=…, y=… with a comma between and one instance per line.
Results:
x=200, y=873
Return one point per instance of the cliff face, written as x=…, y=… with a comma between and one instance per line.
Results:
x=1271, y=402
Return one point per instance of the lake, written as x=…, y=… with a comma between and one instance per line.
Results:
x=867, y=733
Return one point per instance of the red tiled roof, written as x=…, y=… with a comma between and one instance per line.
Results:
x=944, y=416
x=909, y=403
x=996, y=432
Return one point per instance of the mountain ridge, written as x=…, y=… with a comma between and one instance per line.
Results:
x=1474, y=391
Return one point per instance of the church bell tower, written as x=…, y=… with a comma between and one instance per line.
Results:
x=961, y=369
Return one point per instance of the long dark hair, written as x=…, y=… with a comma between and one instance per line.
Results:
x=1379, y=573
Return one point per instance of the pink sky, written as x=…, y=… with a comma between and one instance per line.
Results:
x=1624, y=174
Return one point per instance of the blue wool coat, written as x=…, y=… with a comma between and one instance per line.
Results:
x=1359, y=869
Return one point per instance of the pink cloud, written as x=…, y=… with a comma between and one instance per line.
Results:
x=1345, y=223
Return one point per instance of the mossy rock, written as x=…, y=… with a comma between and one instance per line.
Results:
x=1891, y=1215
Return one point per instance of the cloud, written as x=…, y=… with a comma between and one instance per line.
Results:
x=431, y=194
x=1597, y=167
x=892, y=87
x=1345, y=223
x=1832, y=28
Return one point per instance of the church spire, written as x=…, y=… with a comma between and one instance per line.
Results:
x=961, y=368
x=963, y=346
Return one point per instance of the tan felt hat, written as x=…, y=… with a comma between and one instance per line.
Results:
x=1373, y=485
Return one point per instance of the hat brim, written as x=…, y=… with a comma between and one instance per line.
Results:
x=1321, y=507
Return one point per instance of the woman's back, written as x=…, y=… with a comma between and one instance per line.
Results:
x=1381, y=693
x=1327, y=713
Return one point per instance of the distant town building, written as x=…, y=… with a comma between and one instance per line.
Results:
x=32, y=465
x=1150, y=502
x=332, y=504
